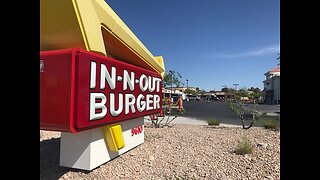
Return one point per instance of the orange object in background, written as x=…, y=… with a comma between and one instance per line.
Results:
x=161, y=113
x=169, y=102
x=180, y=106
x=169, y=105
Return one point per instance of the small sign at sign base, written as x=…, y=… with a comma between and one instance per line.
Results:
x=113, y=137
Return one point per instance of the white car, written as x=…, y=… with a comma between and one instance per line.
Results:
x=197, y=98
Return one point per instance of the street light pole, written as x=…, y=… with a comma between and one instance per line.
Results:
x=235, y=86
x=171, y=84
x=187, y=83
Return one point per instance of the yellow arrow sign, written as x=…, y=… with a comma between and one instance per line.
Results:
x=94, y=26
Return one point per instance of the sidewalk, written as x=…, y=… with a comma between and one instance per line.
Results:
x=273, y=114
x=192, y=121
x=269, y=110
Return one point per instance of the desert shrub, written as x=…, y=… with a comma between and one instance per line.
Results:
x=269, y=122
x=244, y=147
x=213, y=122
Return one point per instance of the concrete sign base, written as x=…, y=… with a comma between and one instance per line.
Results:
x=88, y=149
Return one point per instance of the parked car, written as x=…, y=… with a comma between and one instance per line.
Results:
x=215, y=98
x=174, y=97
x=197, y=98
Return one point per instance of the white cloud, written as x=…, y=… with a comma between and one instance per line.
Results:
x=251, y=53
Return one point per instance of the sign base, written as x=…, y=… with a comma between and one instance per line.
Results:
x=88, y=149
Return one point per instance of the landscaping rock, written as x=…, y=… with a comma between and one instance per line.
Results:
x=179, y=152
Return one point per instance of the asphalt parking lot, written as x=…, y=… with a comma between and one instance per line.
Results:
x=204, y=110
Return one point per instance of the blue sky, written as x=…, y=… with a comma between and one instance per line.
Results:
x=212, y=43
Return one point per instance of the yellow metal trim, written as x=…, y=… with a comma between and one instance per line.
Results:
x=112, y=22
x=76, y=9
x=125, y=44
x=78, y=23
x=89, y=21
x=59, y=26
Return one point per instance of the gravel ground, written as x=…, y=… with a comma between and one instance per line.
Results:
x=181, y=151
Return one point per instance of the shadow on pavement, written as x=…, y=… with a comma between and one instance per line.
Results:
x=49, y=160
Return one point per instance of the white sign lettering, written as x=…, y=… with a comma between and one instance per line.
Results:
x=101, y=103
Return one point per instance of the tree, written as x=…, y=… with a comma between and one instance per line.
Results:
x=256, y=93
x=257, y=90
x=251, y=89
x=225, y=89
x=202, y=91
x=172, y=77
x=190, y=91
x=230, y=92
x=198, y=90
x=242, y=92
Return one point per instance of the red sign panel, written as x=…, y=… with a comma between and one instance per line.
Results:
x=81, y=90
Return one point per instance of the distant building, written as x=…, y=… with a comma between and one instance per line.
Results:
x=182, y=89
x=271, y=90
x=166, y=93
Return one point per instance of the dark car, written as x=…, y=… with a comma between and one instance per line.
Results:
x=215, y=98
x=175, y=97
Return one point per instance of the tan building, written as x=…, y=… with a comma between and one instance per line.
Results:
x=271, y=90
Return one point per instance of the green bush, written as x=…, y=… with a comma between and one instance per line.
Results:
x=213, y=122
x=263, y=115
x=244, y=147
x=269, y=122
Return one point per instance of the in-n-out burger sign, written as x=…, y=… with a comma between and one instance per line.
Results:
x=127, y=102
x=81, y=90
